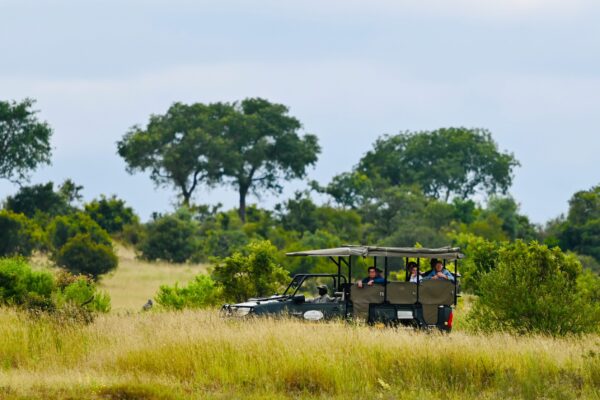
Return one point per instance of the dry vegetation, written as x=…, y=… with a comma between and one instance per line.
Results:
x=199, y=355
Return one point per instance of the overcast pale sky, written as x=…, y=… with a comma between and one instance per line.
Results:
x=528, y=70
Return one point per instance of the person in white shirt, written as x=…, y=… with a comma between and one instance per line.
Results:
x=412, y=269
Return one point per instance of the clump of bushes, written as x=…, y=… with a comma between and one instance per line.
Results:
x=199, y=293
x=18, y=235
x=111, y=214
x=536, y=289
x=80, y=245
x=251, y=272
x=42, y=291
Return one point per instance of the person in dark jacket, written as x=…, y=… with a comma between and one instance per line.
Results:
x=373, y=278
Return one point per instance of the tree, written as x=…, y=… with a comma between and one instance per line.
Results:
x=24, y=141
x=111, y=213
x=41, y=198
x=444, y=163
x=251, y=145
x=580, y=232
x=18, y=235
x=179, y=148
x=261, y=145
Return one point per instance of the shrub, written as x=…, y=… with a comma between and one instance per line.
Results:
x=18, y=235
x=21, y=286
x=82, y=255
x=201, y=292
x=63, y=293
x=42, y=198
x=251, y=272
x=170, y=238
x=65, y=227
x=111, y=213
x=534, y=289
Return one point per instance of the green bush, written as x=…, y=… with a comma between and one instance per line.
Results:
x=18, y=235
x=111, y=213
x=65, y=227
x=170, y=238
x=251, y=272
x=82, y=255
x=199, y=293
x=534, y=289
x=21, y=286
x=31, y=200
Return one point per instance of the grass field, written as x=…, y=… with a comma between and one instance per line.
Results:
x=135, y=281
x=198, y=355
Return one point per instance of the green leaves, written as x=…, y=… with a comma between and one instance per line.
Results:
x=24, y=141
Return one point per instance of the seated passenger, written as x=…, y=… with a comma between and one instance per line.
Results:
x=373, y=278
x=323, y=297
x=414, y=277
x=440, y=272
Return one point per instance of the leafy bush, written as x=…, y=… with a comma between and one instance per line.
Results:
x=18, y=234
x=111, y=213
x=170, y=238
x=82, y=255
x=536, y=289
x=65, y=227
x=251, y=272
x=201, y=292
x=42, y=198
x=482, y=256
x=21, y=286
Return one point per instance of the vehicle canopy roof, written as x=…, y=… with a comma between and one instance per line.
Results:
x=446, y=253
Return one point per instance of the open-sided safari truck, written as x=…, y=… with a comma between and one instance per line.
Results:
x=428, y=304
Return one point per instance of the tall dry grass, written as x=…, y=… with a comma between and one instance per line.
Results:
x=199, y=355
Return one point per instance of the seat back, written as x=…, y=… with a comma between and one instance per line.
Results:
x=402, y=293
x=362, y=297
x=436, y=292
x=430, y=314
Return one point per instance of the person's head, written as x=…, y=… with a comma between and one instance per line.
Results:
x=372, y=272
x=433, y=262
x=439, y=266
x=322, y=290
x=412, y=267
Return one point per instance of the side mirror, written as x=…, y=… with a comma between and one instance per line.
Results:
x=299, y=299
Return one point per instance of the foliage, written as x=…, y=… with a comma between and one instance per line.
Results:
x=170, y=237
x=251, y=272
x=251, y=145
x=18, y=235
x=445, y=162
x=65, y=227
x=21, y=286
x=481, y=257
x=35, y=199
x=199, y=293
x=111, y=213
x=580, y=231
x=24, y=140
x=81, y=254
x=536, y=289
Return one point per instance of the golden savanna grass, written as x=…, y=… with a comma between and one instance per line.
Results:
x=200, y=355
x=128, y=354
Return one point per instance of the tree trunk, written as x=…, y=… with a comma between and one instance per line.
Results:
x=242, y=209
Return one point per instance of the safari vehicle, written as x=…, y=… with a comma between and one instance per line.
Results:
x=428, y=304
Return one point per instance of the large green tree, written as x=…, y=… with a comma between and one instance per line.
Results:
x=251, y=145
x=581, y=229
x=178, y=148
x=445, y=163
x=262, y=147
x=24, y=140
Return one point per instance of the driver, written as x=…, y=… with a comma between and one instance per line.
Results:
x=323, y=297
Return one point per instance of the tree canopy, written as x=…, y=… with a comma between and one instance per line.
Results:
x=24, y=140
x=445, y=162
x=251, y=145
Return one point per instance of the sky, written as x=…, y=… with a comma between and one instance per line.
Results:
x=350, y=71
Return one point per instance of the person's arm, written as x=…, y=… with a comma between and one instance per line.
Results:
x=449, y=275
